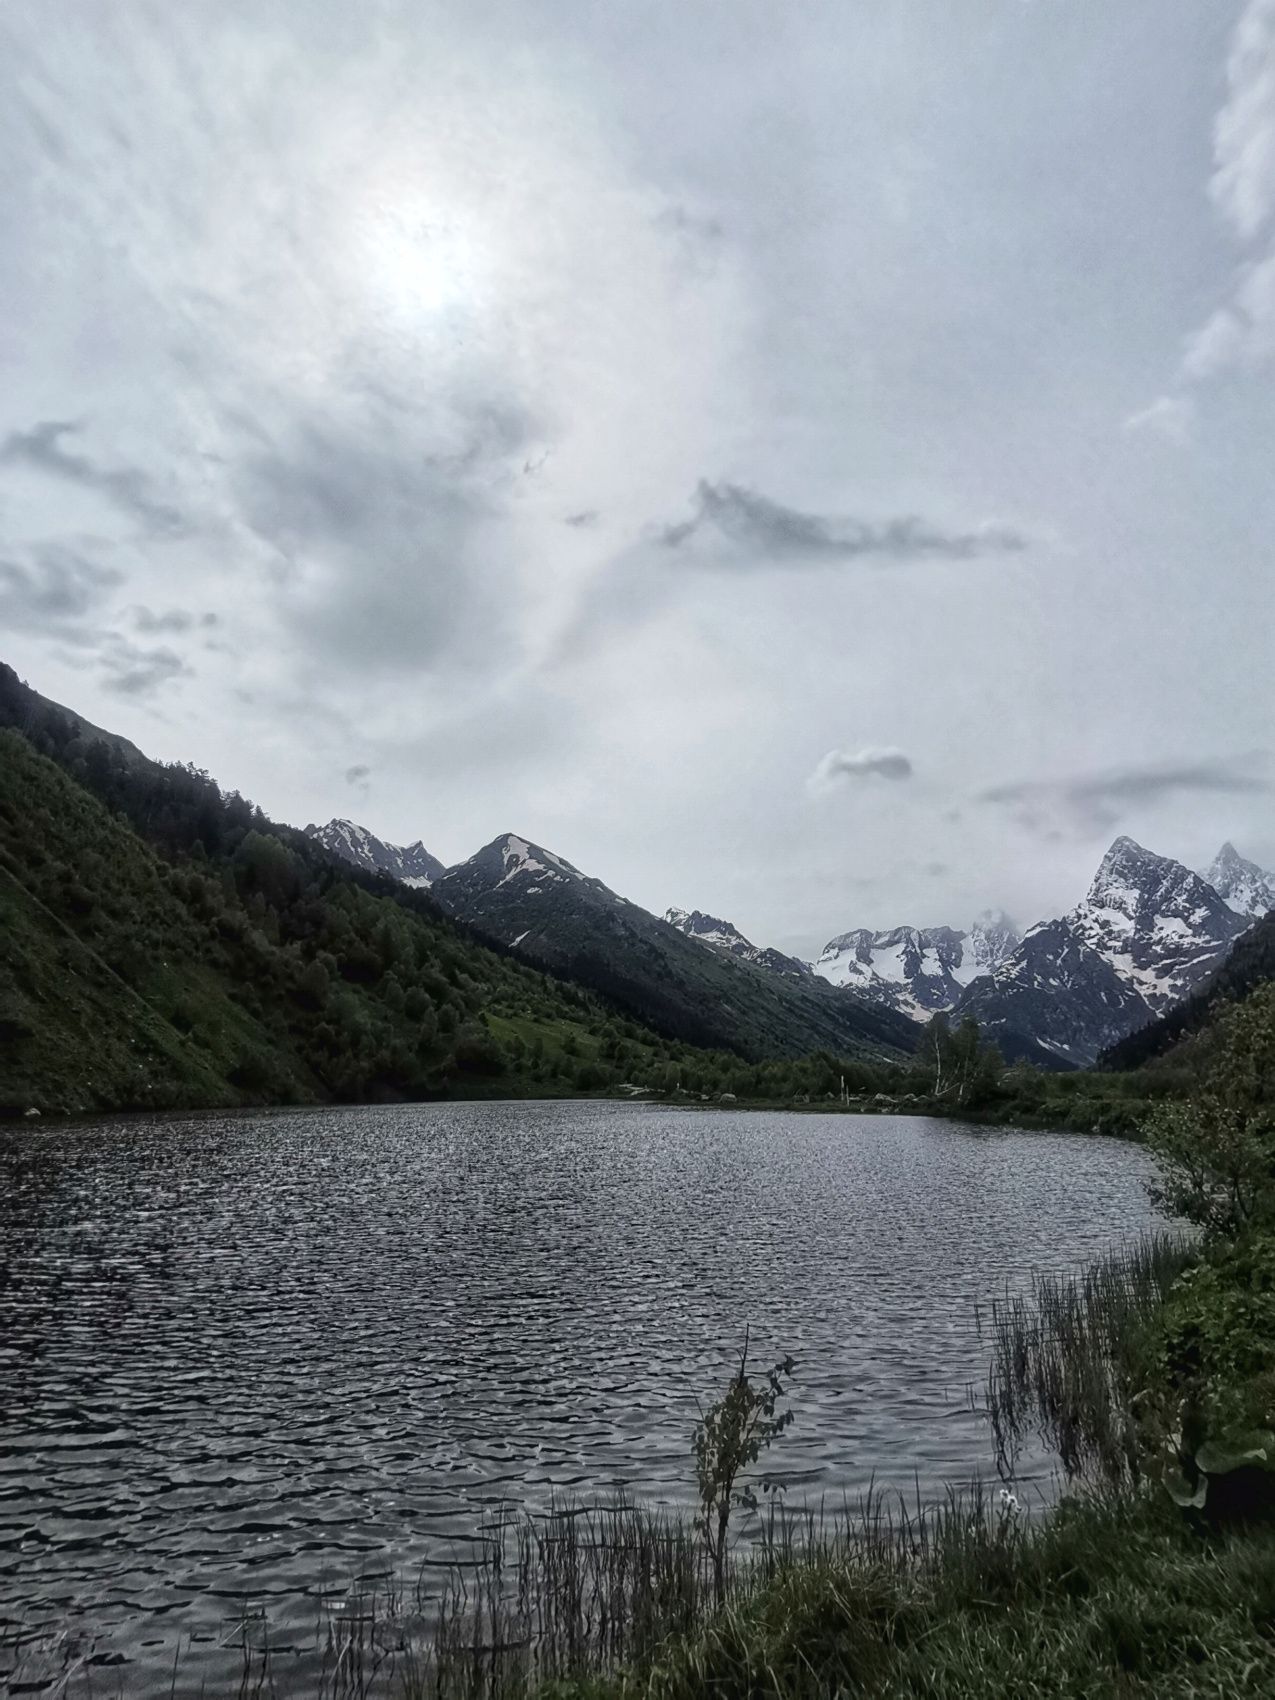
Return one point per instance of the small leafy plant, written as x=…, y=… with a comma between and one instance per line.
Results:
x=729, y=1437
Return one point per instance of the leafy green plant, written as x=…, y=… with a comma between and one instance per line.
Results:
x=729, y=1437
x=1217, y=1151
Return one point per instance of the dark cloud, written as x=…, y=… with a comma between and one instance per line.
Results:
x=135, y=672
x=1099, y=801
x=358, y=775
x=583, y=521
x=386, y=553
x=42, y=449
x=766, y=529
x=883, y=764
x=54, y=584
x=151, y=624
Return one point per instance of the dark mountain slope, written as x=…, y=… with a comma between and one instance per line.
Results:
x=1251, y=964
x=542, y=905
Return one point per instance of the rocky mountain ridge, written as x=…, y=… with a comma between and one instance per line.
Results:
x=724, y=935
x=412, y=864
x=917, y=970
x=1146, y=934
x=1241, y=884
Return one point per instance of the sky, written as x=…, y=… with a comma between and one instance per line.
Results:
x=808, y=463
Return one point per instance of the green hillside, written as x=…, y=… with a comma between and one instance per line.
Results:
x=163, y=943
x=130, y=979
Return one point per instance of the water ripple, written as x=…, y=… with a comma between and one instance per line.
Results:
x=243, y=1359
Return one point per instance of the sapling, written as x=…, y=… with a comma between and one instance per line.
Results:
x=729, y=1437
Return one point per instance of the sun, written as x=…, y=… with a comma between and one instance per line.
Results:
x=422, y=260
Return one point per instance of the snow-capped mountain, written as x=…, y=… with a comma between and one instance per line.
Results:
x=528, y=897
x=410, y=863
x=724, y=935
x=1160, y=926
x=1145, y=935
x=992, y=938
x=1242, y=885
x=917, y=970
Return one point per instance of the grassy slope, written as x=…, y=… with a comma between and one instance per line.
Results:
x=130, y=981
x=75, y=887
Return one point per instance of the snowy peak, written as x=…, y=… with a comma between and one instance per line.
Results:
x=1145, y=935
x=411, y=863
x=511, y=858
x=726, y=936
x=511, y=868
x=1158, y=924
x=917, y=970
x=1245, y=888
x=992, y=939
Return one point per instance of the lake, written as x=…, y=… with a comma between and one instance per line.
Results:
x=245, y=1358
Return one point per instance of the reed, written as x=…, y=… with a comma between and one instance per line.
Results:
x=1071, y=1361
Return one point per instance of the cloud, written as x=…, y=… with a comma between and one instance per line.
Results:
x=1095, y=802
x=41, y=450
x=147, y=621
x=583, y=521
x=1169, y=416
x=380, y=551
x=135, y=672
x=1241, y=332
x=54, y=584
x=1243, y=182
x=881, y=763
x=767, y=529
x=358, y=775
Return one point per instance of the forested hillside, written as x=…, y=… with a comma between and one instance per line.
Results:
x=166, y=944
x=249, y=975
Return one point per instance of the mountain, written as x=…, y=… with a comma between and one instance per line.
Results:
x=166, y=944
x=917, y=970
x=724, y=935
x=1054, y=994
x=1250, y=963
x=534, y=900
x=411, y=863
x=1146, y=934
x=1160, y=926
x=1242, y=885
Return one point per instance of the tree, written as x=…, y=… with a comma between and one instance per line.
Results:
x=958, y=1065
x=314, y=985
x=728, y=1438
x=1217, y=1151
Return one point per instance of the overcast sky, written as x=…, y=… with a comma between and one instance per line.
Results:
x=807, y=462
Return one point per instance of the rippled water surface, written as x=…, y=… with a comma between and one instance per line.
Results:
x=245, y=1358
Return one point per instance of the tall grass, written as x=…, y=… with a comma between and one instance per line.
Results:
x=1071, y=1361
x=587, y=1592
